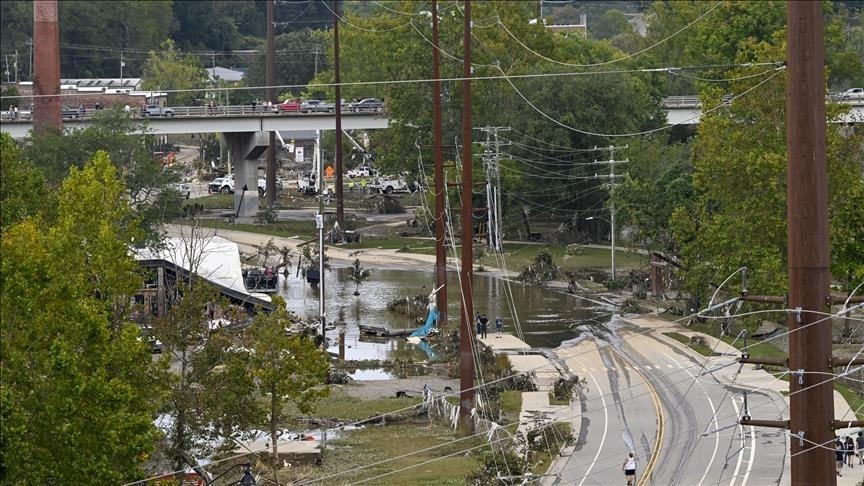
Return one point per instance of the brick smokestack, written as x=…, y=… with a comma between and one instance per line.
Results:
x=46, y=81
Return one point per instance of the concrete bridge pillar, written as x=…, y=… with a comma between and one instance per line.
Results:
x=245, y=149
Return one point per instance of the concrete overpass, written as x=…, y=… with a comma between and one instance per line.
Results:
x=224, y=119
x=686, y=110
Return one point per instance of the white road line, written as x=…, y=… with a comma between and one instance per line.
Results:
x=605, y=428
x=743, y=438
x=752, y=454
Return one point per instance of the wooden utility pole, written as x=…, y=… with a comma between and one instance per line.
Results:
x=340, y=202
x=440, y=187
x=466, y=381
x=811, y=405
x=270, y=169
x=46, y=84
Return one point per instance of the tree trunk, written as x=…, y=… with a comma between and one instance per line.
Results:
x=274, y=403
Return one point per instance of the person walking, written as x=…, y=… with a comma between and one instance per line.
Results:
x=629, y=468
x=479, y=326
x=859, y=442
x=498, y=325
x=484, y=325
x=850, y=451
x=840, y=452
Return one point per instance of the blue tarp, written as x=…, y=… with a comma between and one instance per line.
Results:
x=431, y=319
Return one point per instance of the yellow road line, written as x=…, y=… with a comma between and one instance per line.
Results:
x=655, y=452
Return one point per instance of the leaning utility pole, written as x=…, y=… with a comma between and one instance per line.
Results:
x=340, y=202
x=270, y=169
x=466, y=381
x=811, y=402
x=46, y=85
x=494, y=234
x=440, y=187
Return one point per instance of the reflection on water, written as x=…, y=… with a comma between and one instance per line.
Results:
x=547, y=317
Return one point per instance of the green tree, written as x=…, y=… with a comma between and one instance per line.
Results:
x=359, y=275
x=738, y=217
x=206, y=397
x=118, y=135
x=78, y=385
x=611, y=23
x=170, y=69
x=23, y=192
x=284, y=367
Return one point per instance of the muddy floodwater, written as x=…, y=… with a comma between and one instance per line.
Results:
x=547, y=316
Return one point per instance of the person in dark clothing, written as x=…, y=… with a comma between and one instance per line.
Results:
x=484, y=325
x=840, y=451
x=859, y=441
x=850, y=451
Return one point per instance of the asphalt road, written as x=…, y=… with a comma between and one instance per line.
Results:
x=647, y=395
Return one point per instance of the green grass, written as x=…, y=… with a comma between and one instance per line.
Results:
x=756, y=349
x=699, y=348
x=555, y=401
x=418, y=442
x=854, y=398
x=511, y=403
x=340, y=405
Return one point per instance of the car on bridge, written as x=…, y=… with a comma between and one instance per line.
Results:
x=289, y=105
x=369, y=105
x=156, y=110
x=852, y=94
x=317, y=106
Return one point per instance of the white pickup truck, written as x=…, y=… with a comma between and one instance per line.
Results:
x=225, y=185
x=389, y=185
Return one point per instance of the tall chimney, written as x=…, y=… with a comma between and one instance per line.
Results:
x=46, y=83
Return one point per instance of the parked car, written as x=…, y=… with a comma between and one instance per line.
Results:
x=853, y=94
x=156, y=110
x=317, y=106
x=362, y=171
x=289, y=105
x=371, y=105
x=68, y=112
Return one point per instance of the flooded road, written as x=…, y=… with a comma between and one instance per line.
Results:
x=547, y=316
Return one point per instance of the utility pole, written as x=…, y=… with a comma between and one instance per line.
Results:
x=319, y=223
x=122, y=65
x=466, y=378
x=612, y=175
x=270, y=167
x=811, y=421
x=30, y=44
x=493, y=185
x=811, y=403
x=340, y=202
x=440, y=187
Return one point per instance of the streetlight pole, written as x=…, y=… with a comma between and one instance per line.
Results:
x=611, y=222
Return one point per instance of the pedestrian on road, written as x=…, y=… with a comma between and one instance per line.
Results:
x=484, y=325
x=840, y=452
x=629, y=468
x=850, y=450
x=498, y=325
x=860, y=443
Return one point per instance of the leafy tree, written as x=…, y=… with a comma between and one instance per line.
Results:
x=170, y=69
x=78, y=385
x=611, y=23
x=206, y=397
x=23, y=192
x=284, y=367
x=114, y=132
x=359, y=275
x=9, y=98
x=300, y=55
x=738, y=217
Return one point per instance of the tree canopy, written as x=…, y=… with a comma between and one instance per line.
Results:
x=78, y=387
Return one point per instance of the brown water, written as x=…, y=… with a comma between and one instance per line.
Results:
x=547, y=316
